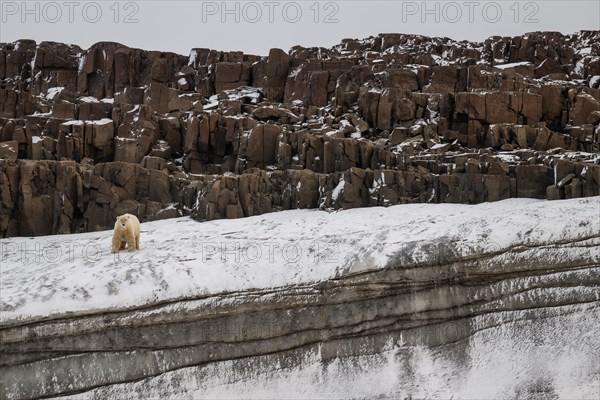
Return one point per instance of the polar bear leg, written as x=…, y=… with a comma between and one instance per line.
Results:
x=116, y=244
x=137, y=241
x=131, y=244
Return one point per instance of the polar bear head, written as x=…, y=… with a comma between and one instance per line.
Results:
x=123, y=220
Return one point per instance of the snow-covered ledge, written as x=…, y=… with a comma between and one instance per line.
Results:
x=484, y=301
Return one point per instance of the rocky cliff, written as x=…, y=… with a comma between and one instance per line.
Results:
x=87, y=134
x=496, y=300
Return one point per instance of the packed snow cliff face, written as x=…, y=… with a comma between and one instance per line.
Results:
x=498, y=300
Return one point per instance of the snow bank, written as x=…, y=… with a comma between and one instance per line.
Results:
x=180, y=258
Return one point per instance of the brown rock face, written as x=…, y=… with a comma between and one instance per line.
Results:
x=54, y=197
x=271, y=74
x=583, y=107
x=262, y=145
x=230, y=75
x=89, y=134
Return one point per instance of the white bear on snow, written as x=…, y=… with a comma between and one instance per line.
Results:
x=127, y=230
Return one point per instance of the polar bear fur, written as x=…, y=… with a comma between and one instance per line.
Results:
x=127, y=231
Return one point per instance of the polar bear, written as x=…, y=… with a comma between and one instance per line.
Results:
x=127, y=230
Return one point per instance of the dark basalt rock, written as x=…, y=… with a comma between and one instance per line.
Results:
x=443, y=121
